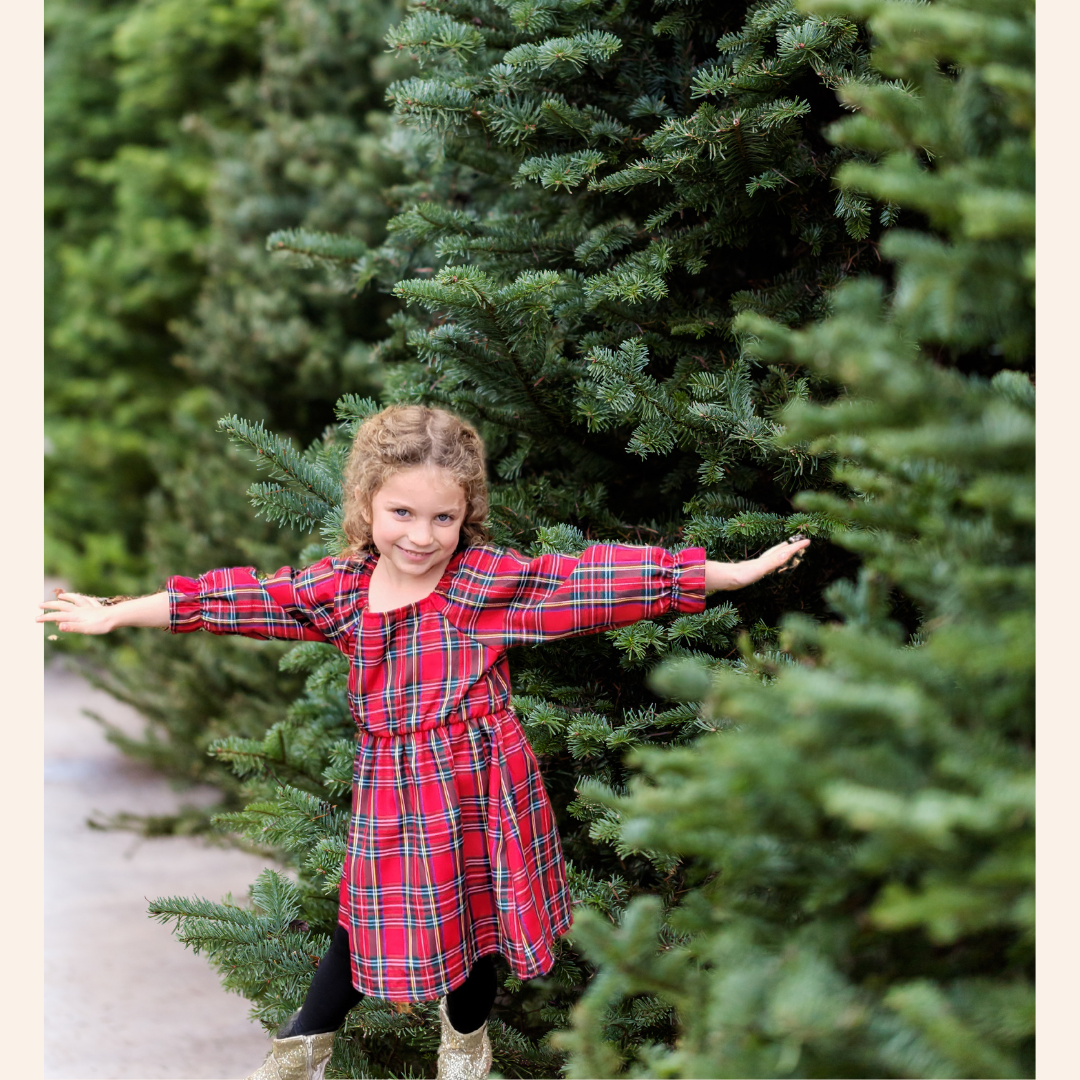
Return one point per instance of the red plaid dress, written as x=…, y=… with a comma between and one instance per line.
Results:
x=453, y=850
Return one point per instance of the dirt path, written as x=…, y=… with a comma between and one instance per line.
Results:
x=123, y=999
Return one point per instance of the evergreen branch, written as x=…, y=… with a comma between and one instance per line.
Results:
x=437, y=107
x=284, y=462
x=288, y=507
x=352, y=407
x=317, y=246
x=561, y=170
x=428, y=34
x=594, y=46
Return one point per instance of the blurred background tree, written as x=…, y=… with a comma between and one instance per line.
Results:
x=126, y=181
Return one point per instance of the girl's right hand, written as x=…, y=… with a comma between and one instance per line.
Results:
x=78, y=614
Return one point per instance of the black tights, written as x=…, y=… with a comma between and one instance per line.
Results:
x=332, y=994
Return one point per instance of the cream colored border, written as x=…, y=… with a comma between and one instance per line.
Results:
x=21, y=315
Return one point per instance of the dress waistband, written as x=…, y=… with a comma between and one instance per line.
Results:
x=433, y=725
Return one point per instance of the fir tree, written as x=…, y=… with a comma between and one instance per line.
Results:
x=612, y=187
x=862, y=821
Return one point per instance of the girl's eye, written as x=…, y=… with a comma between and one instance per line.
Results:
x=444, y=518
x=401, y=513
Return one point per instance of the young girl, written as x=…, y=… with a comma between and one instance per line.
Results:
x=453, y=853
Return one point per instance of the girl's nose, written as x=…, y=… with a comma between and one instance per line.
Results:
x=420, y=533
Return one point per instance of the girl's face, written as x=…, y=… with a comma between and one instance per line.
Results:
x=416, y=519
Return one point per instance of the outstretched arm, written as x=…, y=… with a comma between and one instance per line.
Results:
x=78, y=614
x=726, y=576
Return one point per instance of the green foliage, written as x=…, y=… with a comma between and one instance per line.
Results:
x=586, y=263
x=179, y=54
x=126, y=184
x=279, y=345
x=179, y=135
x=862, y=821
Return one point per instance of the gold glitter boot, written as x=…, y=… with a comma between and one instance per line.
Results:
x=296, y=1057
x=462, y=1057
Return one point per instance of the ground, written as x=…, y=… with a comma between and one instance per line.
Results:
x=123, y=999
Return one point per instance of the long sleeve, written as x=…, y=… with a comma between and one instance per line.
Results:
x=293, y=604
x=500, y=598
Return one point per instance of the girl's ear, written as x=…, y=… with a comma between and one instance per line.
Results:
x=363, y=506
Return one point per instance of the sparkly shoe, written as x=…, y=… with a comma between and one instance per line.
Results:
x=296, y=1057
x=462, y=1057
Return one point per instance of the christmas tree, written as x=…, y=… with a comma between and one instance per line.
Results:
x=862, y=821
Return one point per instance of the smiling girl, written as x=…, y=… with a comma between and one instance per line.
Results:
x=453, y=854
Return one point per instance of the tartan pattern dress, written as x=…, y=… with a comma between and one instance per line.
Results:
x=453, y=850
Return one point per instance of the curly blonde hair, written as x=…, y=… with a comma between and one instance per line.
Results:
x=403, y=437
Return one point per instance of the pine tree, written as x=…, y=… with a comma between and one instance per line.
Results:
x=862, y=821
x=611, y=188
